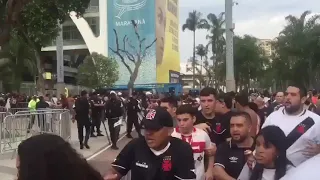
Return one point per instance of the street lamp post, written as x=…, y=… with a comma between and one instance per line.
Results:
x=230, y=82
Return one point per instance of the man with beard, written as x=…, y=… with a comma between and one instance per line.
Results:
x=157, y=156
x=231, y=156
x=242, y=105
x=301, y=126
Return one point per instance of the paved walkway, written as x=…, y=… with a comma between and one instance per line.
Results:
x=98, y=146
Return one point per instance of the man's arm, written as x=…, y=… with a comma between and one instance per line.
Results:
x=221, y=159
x=209, y=156
x=220, y=173
x=122, y=164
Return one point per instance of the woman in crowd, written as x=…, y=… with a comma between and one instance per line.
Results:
x=271, y=160
x=49, y=157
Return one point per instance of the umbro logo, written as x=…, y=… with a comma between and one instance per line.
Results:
x=233, y=159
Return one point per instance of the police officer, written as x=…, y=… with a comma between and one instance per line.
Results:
x=96, y=111
x=132, y=114
x=114, y=111
x=82, y=107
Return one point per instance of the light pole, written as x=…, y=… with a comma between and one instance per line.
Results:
x=230, y=82
x=60, y=68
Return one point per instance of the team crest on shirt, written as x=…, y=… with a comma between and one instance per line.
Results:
x=166, y=164
x=301, y=128
x=151, y=114
x=218, y=127
x=199, y=158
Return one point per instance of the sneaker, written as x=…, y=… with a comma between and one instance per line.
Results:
x=87, y=146
x=92, y=135
x=129, y=136
x=81, y=146
x=100, y=134
x=114, y=147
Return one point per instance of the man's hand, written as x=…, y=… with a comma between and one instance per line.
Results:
x=111, y=177
x=250, y=158
x=204, y=127
x=209, y=175
x=212, y=150
x=312, y=149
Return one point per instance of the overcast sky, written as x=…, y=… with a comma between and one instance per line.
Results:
x=260, y=18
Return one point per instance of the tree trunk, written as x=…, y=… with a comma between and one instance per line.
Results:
x=134, y=75
x=194, y=59
x=40, y=81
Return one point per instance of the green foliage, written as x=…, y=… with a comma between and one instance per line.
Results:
x=16, y=59
x=98, y=71
x=40, y=19
x=297, y=50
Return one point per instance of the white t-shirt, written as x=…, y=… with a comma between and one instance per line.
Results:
x=308, y=170
x=268, y=174
x=199, y=141
x=297, y=124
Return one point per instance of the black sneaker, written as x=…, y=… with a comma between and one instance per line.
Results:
x=129, y=136
x=100, y=134
x=114, y=147
x=81, y=146
x=87, y=146
x=92, y=135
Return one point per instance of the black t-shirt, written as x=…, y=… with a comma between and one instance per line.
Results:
x=82, y=108
x=220, y=126
x=174, y=164
x=231, y=158
x=263, y=114
x=95, y=109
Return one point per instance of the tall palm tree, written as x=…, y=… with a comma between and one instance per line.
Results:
x=201, y=51
x=193, y=22
x=300, y=38
x=215, y=25
x=15, y=60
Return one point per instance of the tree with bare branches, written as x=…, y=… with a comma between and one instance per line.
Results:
x=136, y=56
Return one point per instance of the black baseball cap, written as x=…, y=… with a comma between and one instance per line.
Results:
x=156, y=119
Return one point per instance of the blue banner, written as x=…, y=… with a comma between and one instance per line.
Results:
x=131, y=40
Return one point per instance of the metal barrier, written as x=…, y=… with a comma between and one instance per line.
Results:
x=14, y=110
x=18, y=127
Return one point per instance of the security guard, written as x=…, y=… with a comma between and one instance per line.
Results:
x=132, y=114
x=96, y=112
x=82, y=107
x=113, y=112
x=157, y=156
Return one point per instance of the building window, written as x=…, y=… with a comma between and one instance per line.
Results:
x=71, y=33
x=94, y=24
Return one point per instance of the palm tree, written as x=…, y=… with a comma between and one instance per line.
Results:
x=300, y=40
x=201, y=51
x=193, y=22
x=215, y=25
x=15, y=60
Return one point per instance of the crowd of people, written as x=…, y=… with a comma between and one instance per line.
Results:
x=212, y=136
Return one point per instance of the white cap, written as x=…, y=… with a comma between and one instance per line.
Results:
x=148, y=93
x=113, y=92
x=119, y=93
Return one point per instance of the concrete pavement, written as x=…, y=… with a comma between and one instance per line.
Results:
x=98, y=145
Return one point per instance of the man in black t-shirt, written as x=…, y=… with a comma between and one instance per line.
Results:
x=224, y=114
x=231, y=156
x=157, y=156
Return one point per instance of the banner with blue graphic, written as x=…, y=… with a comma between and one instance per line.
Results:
x=132, y=40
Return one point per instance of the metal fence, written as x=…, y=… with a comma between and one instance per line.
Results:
x=17, y=127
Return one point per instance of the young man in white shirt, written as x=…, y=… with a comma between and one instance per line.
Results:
x=302, y=127
x=199, y=140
